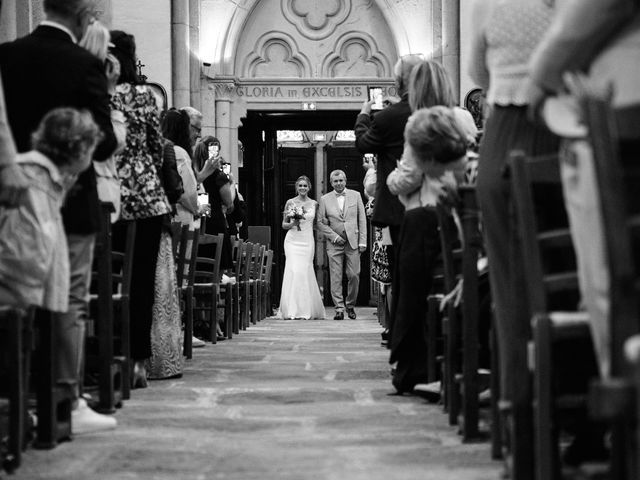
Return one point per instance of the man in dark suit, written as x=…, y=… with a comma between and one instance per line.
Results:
x=383, y=134
x=41, y=71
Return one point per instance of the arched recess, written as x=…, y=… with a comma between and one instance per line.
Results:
x=222, y=49
x=356, y=54
x=290, y=61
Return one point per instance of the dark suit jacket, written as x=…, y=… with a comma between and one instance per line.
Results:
x=45, y=70
x=383, y=134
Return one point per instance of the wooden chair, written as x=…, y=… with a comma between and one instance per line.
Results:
x=15, y=329
x=111, y=369
x=185, y=243
x=613, y=399
x=259, y=234
x=237, y=254
x=451, y=322
x=469, y=380
x=207, y=287
x=54, y=396
x=245, y=284
x=255, y=281
x=265, y=299
x=552, y=298
x=108, y=338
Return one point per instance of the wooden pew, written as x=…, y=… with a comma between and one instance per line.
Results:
x=551, y=300
x=614, y=399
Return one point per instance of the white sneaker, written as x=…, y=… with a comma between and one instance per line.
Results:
x=85, y=420
x=197, y=343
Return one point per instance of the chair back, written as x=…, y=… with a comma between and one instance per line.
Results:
x=123, y=261
x=449, y=245
x=259, y=234
x=236, y=254
x=621, y=227
x=207, y=270
x=267, y=264
x=548, y=257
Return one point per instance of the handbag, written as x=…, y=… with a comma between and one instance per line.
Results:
x=108, y=185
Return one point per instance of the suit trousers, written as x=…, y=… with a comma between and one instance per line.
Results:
x=343, y=258
x=70, y=326
x=506, y=129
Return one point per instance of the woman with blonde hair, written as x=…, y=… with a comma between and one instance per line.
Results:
x=429, y=85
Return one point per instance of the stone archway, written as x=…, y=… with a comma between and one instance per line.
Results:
x=286, y=54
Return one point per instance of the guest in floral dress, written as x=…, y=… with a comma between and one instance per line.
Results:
x=145, y=202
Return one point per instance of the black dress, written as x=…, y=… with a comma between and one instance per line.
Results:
x=418, y=252
x=217, y=222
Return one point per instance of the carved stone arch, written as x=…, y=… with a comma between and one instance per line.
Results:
x=356, y=54
x=225, y=48
x=316, y=20
x=276, y=54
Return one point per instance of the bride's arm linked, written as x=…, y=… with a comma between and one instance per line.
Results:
x=322, y=226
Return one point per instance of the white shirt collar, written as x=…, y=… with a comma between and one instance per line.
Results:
x=59, y=26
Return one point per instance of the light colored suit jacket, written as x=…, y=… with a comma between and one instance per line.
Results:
x=599, y=36
x=350, y=223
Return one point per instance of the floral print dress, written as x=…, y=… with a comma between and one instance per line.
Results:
x=140, y=162
x=143, y=196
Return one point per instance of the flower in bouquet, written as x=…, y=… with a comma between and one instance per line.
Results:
x=296, y=213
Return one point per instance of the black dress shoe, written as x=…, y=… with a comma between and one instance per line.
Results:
x=339, y=316
x=351, y=313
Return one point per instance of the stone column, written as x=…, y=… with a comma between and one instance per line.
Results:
x=8, y=21
x=180, y=53
x=105, y=9
x=223, y=122
x=194, y=54
x=19, y=17
x=229, y=111
x=451, y=42
x=436, y=35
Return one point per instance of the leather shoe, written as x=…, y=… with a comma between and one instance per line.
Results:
x=351, y=313
x=339, y=316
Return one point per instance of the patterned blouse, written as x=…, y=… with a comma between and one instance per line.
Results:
x=141, y=160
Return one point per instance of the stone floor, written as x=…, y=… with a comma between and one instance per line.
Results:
x=286, y=399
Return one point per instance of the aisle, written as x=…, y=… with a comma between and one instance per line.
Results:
x=284, y=400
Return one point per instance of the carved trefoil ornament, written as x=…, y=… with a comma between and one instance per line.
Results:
x=316, y=19
x=356, y=54
x=276, y=55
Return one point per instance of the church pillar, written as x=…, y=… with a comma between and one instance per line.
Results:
x=451, y=42
x=436, y=29
x=180, y=64
x=194, y=53
x=229, y=111
x=8, y=21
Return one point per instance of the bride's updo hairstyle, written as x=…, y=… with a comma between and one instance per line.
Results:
x=306, y=179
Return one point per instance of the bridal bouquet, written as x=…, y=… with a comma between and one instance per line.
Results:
x=296, y=213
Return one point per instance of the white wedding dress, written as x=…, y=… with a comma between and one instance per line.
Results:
x=300, y=297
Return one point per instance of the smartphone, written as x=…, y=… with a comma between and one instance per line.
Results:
x=375, y=93
x=226, y=168
x=213, y=150
x=368, y=159
x=203, y=199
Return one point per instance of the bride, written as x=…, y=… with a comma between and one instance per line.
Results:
x=300, y=297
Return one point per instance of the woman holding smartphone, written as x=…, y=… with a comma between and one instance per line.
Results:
x=207, y=164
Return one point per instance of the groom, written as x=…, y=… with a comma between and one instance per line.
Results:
x=342, y=220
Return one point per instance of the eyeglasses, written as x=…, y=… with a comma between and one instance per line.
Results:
x=196, y=128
